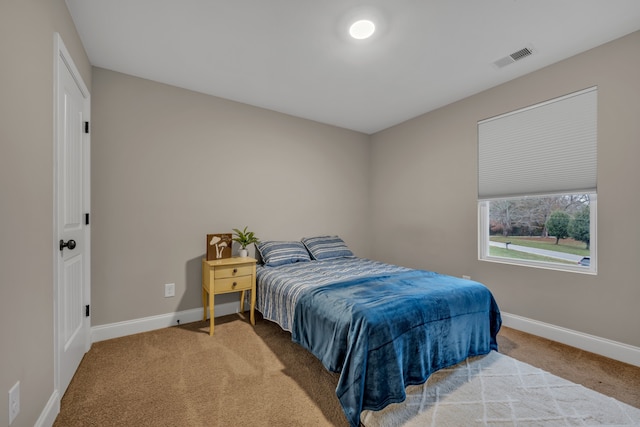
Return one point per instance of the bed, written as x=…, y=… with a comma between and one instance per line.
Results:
x=382, y=327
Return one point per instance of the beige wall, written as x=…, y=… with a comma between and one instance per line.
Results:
x=424, y=196
x=170, y=165
x=26, y=196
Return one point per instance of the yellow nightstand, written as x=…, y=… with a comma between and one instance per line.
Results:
x=226, y=275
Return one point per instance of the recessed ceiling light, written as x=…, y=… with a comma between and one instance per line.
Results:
x=362, y=29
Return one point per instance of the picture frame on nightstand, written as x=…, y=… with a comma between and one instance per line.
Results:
x=218, y=246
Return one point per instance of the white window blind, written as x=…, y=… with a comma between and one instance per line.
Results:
x=547, y=148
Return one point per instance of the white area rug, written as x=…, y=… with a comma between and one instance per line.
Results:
x=497, y=390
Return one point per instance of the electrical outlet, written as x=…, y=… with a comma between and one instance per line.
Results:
x=170, y=290
x=14, y=402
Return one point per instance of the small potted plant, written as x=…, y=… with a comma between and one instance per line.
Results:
x=244, y=238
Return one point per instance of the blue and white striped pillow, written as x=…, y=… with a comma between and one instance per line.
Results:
x=275, y=253
x=326, y=247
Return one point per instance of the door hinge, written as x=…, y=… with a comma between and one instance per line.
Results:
x=86, y=219
x=86, y=310
x=86, y=127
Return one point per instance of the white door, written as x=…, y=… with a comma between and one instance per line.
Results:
x=71, y=194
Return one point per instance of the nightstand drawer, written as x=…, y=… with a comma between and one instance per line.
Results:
x=232, y=271
x=233, y=284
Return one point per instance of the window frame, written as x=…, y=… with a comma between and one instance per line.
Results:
x=484, y=239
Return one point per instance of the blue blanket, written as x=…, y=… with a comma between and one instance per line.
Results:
x=386, y=332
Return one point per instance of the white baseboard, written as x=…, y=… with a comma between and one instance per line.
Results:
x=602, y=346
x=50, y=412
x=145, y=324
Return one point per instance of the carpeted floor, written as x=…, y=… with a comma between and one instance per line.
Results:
x=250, y=376
x=181, y=376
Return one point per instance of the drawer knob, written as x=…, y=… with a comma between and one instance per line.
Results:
x=235, y=270
x=234, y=285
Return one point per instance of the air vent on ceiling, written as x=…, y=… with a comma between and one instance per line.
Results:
x=515, y=56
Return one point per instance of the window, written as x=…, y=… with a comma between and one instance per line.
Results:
x=537, y=185
x=541, y=231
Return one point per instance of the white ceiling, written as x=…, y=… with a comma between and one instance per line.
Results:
x=295, y=56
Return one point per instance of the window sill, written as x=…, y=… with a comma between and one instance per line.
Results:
x=543, y=265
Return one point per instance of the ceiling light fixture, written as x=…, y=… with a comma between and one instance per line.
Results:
x=362, y=29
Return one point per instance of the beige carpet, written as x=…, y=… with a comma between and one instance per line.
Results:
x=255, y=376
x=496, y=390
x=180, y=376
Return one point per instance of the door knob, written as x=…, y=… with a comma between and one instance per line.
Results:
x=71, y=244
